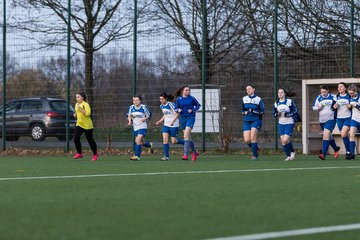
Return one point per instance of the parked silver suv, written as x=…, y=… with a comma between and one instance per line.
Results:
x=38, y=117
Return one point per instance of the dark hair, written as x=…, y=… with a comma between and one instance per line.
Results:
x=288, y=92
x=342, y=84
x=325, y=87
x=168, y=97
x=138, y=96
x=353, y=88
x=83, y=95
x=249, y=85
x=180, y=90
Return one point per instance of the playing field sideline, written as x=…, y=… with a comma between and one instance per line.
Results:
x=217, y=196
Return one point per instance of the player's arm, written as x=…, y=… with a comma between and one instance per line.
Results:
x=260, y=109
x=275, y=112
x=129, y=117
x=316, y=106
x=161, y=120
x=173, y=121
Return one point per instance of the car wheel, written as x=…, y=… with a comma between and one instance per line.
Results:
x=37, y=132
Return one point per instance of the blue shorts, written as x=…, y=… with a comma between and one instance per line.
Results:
x=286, y=129
x=253, y=124
x=140, y=132
x=329, y=125
x=172, y=131
x=355, y=124
x=187, y=122
x=343, y=122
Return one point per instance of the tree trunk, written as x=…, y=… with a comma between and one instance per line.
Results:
x=89, y=78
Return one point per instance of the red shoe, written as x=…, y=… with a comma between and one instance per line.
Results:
x=194, y=156
x=322, y=156
x=337, y=153
x=78, y=155
x=95, y=157
x=185, y=157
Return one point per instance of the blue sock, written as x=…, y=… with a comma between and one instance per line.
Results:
x=291, y=147
x=347, y=143
x=180, y=141
x=186, y=147
x=326, y=144
x=286, y=150
x=137, y=150
x=147, y=144
x=166, y=149
x=192, y=146
x=352, y=145
x=333, y=145
x=254, y=148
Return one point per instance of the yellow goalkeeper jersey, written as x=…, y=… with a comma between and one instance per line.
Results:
x=83, y=120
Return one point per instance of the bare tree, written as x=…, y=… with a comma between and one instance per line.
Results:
x=226, y=31
x=94, y=24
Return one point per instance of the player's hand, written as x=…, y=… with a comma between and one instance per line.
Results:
x=157, y=123
x=74, y=115
x=129, y=123
x=336, y=105
x=354, y=104
x=172, y=124
x=250, y=110
x=179, y=110
x=246, y=113
x=189, y=111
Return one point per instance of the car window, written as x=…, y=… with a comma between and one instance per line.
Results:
x=12, y=107
x=59, y=106
x=31, y=106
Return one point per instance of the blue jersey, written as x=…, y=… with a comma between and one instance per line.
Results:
x=326, y=112
x=185, y=104
x=287, y=107
x=137, y=114
x=254, y=106
x=342, y=110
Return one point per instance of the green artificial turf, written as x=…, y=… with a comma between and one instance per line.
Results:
x=196, y=201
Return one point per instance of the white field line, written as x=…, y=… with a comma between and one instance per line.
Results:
x=176, y=173
x=290, y=233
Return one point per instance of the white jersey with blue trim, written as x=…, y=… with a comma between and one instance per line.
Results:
x=326, y=113
x=342, y=110
x=169, y=114
x=355, y=103
x=137, y=114
x=285, y=106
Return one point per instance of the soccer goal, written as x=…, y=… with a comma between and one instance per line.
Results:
x=311, y=132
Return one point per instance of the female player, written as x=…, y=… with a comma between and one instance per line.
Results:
x=138, y=115
x=343, y=113
x=185, y=106
x=171, y=123
x=355, y=117
x=324, y=104
x=285, y=109
x=83, y=125
x=252, y=109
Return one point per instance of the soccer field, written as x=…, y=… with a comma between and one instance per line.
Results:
x=214, y=197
